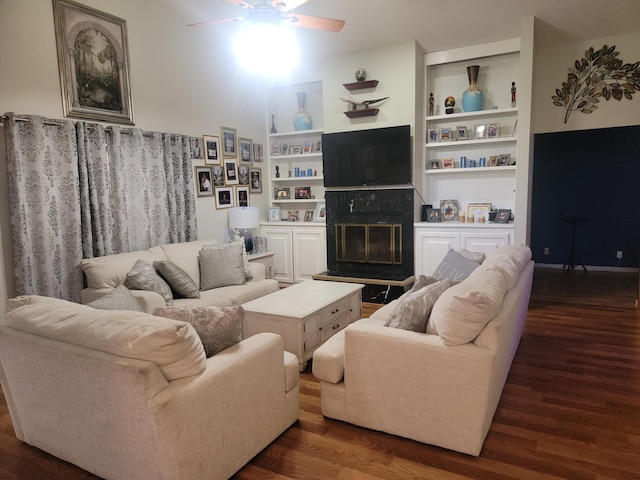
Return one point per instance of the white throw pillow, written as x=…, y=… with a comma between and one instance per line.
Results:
x=222, y=266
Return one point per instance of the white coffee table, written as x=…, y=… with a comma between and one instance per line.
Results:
x=305, y=315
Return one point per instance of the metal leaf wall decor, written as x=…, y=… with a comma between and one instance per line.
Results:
x=600, y=74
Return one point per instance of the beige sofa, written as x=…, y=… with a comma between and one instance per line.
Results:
x=416, y=386
x=127, y=395
x=103, y=274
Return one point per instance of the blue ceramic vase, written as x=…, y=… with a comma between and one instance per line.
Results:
x=473, y=98
x=302, y=120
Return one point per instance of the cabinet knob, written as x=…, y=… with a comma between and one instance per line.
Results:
x=335, y=311
x=336, y=326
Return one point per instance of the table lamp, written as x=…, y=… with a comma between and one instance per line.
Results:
x=242, y=220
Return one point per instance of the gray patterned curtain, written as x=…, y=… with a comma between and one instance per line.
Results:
x=44, y=206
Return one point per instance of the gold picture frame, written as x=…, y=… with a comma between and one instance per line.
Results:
x=93, y=63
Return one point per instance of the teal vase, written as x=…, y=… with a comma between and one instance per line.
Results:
x=302, y=120
x=473, y=98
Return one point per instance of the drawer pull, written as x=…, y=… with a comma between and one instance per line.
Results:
x=335, y=311
x=336, y=326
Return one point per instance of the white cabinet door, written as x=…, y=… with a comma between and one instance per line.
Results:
x=485, y=242
x=309, y=252
x=431, y=247
x=281, y=243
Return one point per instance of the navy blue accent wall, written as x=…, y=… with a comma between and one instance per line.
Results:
x=593, y=174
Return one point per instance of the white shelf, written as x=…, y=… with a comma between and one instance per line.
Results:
x=482, y=113
x=299, y=200
x=306, y=156
x=481, y=170
x=462, y=143
x=296, y=179
x=297, y=133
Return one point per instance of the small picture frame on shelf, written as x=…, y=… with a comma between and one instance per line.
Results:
x=302, y=193
x=493, y=160
x=308, y=216
x=281, y=193
x=433, y=135
x=435, y=165
x=449, y=210
x=274, y=214
x=318, y=147
x=293, y=215
x=275, y=150
x=433, y=215
x=295, y=150
x=448, y=163
x=493, y=130
x=502, y=215
x=476, y=211
x=320, y=214
x=504, y=159
x=462, y=133
x=445, y=134
x=480, y=131
x=306, y=147
x=284, y=149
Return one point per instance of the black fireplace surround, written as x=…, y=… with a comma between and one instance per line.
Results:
x=370, y=233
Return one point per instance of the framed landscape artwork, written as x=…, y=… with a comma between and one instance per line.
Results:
x=93, y=59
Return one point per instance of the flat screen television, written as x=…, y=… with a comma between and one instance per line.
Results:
x=379, y=156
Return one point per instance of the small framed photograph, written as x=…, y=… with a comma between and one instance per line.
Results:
x=449, y=210
x=196, y=148
x=433, y=215
x=448, y=163
x=255, y=180
x=503, y=215
x=281, y=193
x=493, y=160
x=275, y=150
x=245, y=150
x=303, y=193
x=284, y=149
x=477, y=210
x=224, y=197
x=242, y=196
x=320, y=213
x=258, y=155
x=462, y=133
x=493, y=130
x=218, y=176
x=211, y=149
x=318, y=147
x=433, y=135
x=306, y=147
x=230, y=171
x=203, y=181
x=435, y=164
x=243, y=175
x=445, y=134
x=274, y=214
x=308, y=216
x=228, y=141
x=504, y=159
x=293, y=215
x=480, y=131
x=295, y=150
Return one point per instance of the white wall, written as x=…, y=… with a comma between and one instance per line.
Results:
x=551, y=69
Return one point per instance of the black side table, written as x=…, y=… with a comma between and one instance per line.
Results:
x=570, y=262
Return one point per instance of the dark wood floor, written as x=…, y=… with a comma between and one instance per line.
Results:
x=570, y=409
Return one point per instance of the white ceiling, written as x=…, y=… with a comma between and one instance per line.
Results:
x=443, y=24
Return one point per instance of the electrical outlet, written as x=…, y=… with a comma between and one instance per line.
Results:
x=619, y=254
x=546, y=250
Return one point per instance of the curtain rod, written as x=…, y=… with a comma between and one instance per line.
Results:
x=90, y=127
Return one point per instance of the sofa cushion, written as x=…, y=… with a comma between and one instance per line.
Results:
x=415, y=311
x=180, y=281
x=477, y=257
x=222, y=266
x=217, y=327
x=454, y=266
x=463, y=310
x=120, y=298
x=144, y=277
x=173, y=346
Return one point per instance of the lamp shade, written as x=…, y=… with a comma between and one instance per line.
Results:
x=243, y=218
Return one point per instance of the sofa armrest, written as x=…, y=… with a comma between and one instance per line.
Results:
x=148, y=300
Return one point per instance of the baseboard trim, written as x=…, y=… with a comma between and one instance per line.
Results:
x=595, y=268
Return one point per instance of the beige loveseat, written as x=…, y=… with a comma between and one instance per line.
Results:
x=130, y=396
x=441, y=387
x=103, y=274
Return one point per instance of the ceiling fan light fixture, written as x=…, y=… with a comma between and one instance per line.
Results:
x=266, y=48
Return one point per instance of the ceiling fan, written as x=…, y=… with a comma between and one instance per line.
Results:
x=278, y=12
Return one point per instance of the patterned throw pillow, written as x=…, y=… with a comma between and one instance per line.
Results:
x=218, y=327
x=144, y=277
x=416, y=310
x=221, y=267
x=180, y=281
x=420, y=283
x=119, y=298
x=245, y=259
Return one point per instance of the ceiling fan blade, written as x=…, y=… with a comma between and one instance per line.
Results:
x=213, y=22
x=288, y=4
x=317, y=23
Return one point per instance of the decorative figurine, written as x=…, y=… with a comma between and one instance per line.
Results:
x=361, y=74
x=273, y=124
x=449, y=103
x=356, y=102
x=431, y=103
x=513, y=94
x=277, y=171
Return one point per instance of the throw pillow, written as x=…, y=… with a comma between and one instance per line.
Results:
x=218, y=327
x=454, y=266
x=477, y=257
x=420, y=283
x=221, y=266
x=120, y=298
x=144, y=277
x=245, y=258
x=416, y=310
x=180, y=281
